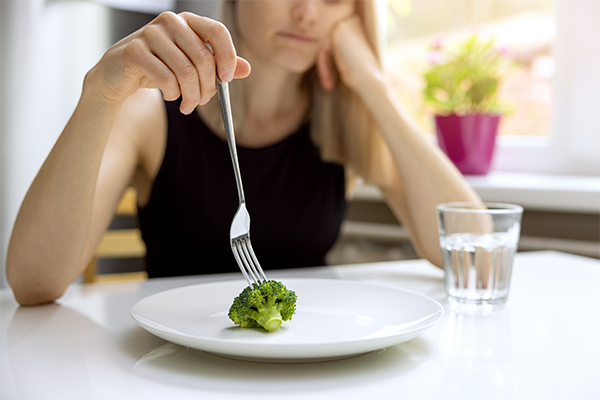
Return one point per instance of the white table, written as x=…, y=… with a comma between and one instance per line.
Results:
x=545, y=344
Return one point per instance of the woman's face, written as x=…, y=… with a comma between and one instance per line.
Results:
x=288, y=33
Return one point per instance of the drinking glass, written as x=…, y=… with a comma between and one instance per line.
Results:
x=478, y=243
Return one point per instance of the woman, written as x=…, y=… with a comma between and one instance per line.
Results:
x=316, y=78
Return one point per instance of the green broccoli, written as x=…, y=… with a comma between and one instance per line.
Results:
x=265, y=305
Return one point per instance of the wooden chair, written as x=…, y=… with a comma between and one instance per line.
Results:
x=119, y=243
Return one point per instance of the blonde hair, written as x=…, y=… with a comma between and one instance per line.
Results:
x=341, y=126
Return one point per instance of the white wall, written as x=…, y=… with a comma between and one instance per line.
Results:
x=46, y=49
x=207, y=8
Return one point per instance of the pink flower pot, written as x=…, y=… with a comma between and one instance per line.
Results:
x=468, y=140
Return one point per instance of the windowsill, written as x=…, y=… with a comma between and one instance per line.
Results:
x=560, y=193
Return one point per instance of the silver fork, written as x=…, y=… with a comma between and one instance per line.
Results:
x=239, y=234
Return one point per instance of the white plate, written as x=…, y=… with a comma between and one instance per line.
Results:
x=334, y=319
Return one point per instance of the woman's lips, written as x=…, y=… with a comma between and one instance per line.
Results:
x=298, y=37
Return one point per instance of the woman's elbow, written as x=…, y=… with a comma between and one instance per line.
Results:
x=435, y=259
x=28, y=291
x=35, y=298
x=431, y=253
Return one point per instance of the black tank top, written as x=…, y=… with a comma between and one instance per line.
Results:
x=295, y=200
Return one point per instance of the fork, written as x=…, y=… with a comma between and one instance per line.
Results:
x=239, y=234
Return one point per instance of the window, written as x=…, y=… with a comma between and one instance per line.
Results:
x=551, y=128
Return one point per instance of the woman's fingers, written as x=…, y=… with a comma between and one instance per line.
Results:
x=178, y=61
x=217, y=36
x=171, y=53
x=325, y=67
x=201, y=57
x=194, y=65
x=327, y=59
x=352, y=54
x=242, y=68
x=139, y=61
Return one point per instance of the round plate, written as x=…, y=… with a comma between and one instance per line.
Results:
x=334, y=319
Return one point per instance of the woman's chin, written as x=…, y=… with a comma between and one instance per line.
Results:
x=300, y=69
x=295, y=63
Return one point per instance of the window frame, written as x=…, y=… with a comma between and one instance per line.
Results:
x=573, y=147
x=574, y=144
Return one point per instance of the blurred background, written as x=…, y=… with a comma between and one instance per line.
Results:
x=47, y=46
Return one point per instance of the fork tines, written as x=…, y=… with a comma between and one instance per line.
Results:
x=245, y=257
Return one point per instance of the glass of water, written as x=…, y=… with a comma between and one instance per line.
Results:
x=478, y=243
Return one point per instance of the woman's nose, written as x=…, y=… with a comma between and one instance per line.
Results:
x=305, y=11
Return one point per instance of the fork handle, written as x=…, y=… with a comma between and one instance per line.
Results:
x=223, y=89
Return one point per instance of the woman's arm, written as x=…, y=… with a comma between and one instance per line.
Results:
x=425, y=176
x=50, y=242
x=72, y=199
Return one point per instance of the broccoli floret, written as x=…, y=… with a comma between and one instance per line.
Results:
x=266, y=305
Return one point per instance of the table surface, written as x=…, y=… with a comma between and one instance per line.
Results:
x=545, y=344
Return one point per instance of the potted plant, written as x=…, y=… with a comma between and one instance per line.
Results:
x=462, y=80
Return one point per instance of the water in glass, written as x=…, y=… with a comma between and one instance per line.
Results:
x=478, y=266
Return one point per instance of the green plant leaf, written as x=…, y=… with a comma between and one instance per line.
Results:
x=468, y=81
x=482, y=89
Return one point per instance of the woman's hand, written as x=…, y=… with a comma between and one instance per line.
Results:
x=354, y=58
x=170, y=53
